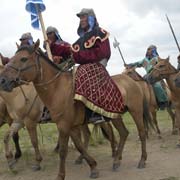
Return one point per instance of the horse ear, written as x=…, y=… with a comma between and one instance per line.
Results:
x=36, y=44
x=18, y=46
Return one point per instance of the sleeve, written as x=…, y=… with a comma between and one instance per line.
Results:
x=138, y=63
x=61, y=50
x=98, y=52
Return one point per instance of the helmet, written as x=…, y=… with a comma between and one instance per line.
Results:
x=26, y=36
x=86, y=11
x=51, y=29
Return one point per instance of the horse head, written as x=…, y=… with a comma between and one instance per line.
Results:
x=21, y=69
x=162, y=70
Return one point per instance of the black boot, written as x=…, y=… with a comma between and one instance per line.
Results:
x=96, y=119
x=163, y=105
x=46, y=117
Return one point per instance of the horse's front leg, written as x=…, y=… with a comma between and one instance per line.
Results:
x=86, y=136
x=14, y=128
x=31, y=127
x=63, y=150
x=75, y=134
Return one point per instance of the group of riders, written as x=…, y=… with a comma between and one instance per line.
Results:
x=93, y=47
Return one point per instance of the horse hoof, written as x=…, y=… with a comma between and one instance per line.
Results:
x=116, y=166
x=36, y=168
x=12, y=163
x=78, y=161
x=141, y=165
x=94, y=174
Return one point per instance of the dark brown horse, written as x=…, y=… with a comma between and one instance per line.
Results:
x=151, y=99
x=55, y=88
x=164, y=70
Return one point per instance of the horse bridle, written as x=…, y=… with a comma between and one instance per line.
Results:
x=39, y=69
x=160, y=72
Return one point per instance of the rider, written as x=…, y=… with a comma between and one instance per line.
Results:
x=60, y=49
x=60, y=53
x=92, y=52
x=148, y=63
x=25, y=39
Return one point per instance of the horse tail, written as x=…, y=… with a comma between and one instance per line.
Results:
x=146, y=116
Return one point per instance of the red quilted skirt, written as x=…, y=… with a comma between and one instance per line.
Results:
x=95, y=88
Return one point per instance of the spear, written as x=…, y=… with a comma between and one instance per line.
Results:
x=116, y=45
x=173, y=32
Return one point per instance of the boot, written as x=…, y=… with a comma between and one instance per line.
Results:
x=163, y=105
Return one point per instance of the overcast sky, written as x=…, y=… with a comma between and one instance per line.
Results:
x=135, y=23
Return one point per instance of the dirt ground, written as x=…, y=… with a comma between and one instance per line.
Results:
x=163, y=162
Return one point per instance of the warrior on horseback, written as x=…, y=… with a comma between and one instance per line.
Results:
x=148, y=63
x=93, y=83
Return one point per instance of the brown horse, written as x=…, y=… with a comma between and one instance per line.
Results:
x=6, y=119
x=25, y=108
x=56, y=90
x=151, y=99
x=164, y=70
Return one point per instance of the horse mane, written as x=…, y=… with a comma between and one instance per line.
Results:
x=30, y=50
x=135, y=76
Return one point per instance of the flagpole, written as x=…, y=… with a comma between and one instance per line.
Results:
x=44, y=33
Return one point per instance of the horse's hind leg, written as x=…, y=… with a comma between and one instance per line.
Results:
x=108, y=133
x=154, y=115
x=31, y=127
x=138, y=118
x=172, y=115
x=86, y=136
x=75, y=134
x=16, y=142
x=123, y=132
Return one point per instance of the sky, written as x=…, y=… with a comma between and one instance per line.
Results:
x=136, y=24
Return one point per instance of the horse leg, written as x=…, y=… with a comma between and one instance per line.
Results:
x=16, y=142
x=86, y=135
x=14, y=128
x=138, y=118
x=31, y=127
x=108, y=133
x=63, y=150
x=154, y=115
x=172, y=115
x=123, y=133
x=75, y=134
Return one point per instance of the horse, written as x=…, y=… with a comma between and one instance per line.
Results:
x=20, y=104
x=25, y=108
x=56, y=90
x=151, y=99
x=164, y=70
x=6, y=119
